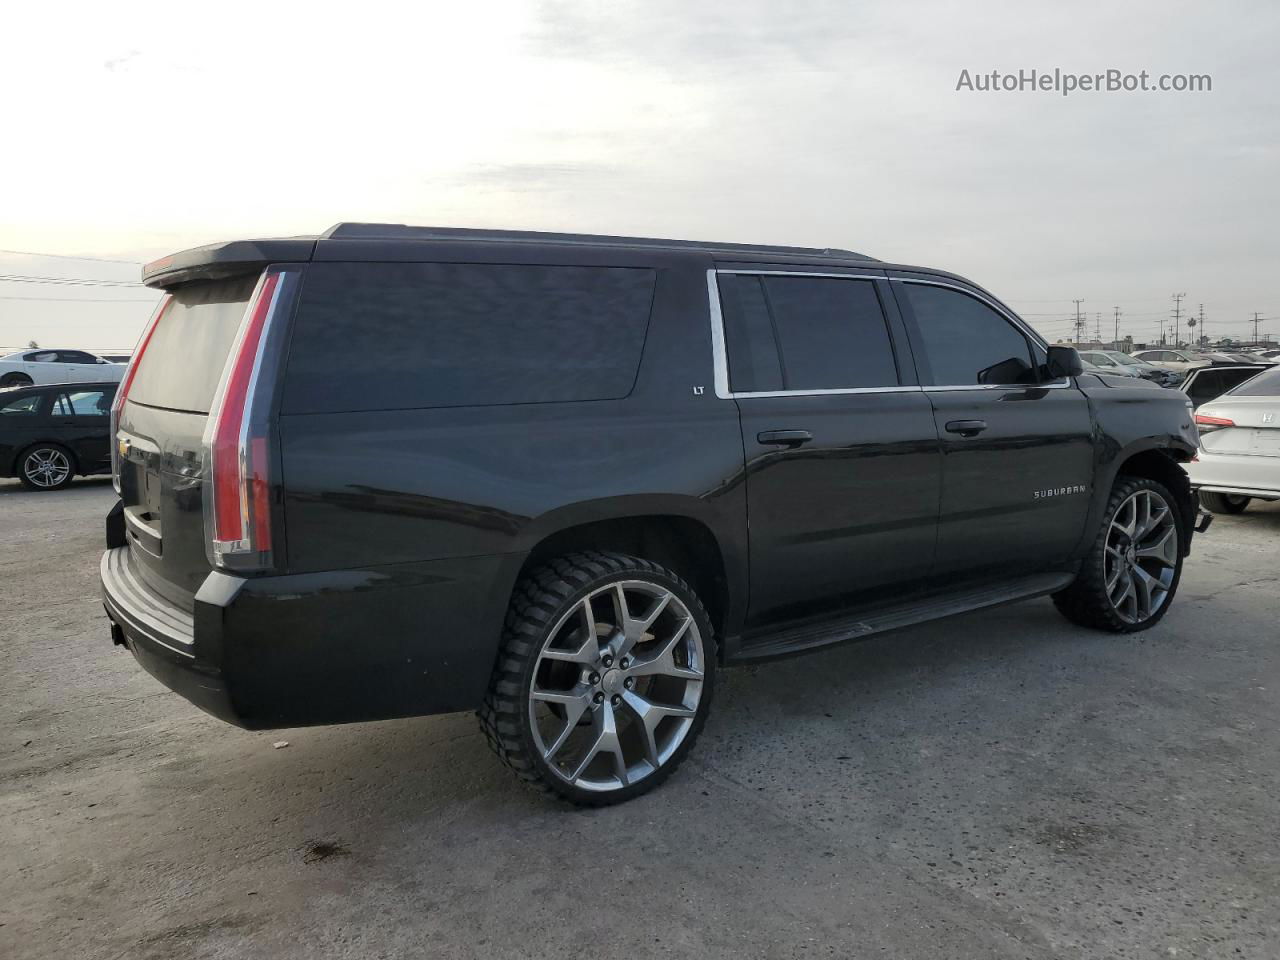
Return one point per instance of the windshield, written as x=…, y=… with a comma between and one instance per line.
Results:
x=1120, y=357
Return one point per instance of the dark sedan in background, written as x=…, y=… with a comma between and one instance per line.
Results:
x=49, y=434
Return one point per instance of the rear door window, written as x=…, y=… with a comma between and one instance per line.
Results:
x=965, y=341
x=384, y=336
x=183, y=362
x=805, y=334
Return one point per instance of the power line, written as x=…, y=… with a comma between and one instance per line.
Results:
x=75, y=281
x=67, y=256
x=79, y=299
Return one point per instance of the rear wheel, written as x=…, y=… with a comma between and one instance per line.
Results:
x=46, y=466
x=1131, y=573
x=604, y=678
x=15, y=380
x=1223, y=502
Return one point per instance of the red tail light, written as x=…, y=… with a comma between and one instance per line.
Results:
x=238, y=451
x=1207, y=424
x=126, y=382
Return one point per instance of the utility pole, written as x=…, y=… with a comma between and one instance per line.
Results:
x=1115, y=344
x=1203, y=336
x=1079, y=322
x=1097, y=328
x=1257, y=319
x=1177, y=316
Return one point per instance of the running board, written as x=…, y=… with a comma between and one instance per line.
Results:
x=811, y=634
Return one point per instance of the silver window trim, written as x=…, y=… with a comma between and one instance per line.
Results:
x=720, y=361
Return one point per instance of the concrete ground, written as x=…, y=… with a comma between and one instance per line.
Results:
x=997, y=785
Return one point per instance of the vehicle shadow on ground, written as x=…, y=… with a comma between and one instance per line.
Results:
x=401, y=769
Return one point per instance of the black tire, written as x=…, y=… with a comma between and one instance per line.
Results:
x=35, y=450
x=537, y=616
x=1087, y=601
x=1223, y=502
x=15, y=380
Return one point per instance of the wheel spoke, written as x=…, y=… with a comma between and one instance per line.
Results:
x=588, y=651
x=631, y=630
x=1144, y=592
x=663, y=661
x=606, y=741
x=1164, y=549
x=575, y=704
x=650, y=714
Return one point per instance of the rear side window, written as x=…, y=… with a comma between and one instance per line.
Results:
x=804, y=334
x=385, y=336
x=27, y=406
x=967, y=342
x=1265, y=384
x=183, y=362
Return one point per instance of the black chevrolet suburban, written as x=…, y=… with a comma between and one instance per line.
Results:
x=561, y=479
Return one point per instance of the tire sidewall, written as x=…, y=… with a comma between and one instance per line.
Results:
x=634, y=571
x=22, y=467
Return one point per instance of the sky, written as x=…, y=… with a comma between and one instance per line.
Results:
x=137, y=129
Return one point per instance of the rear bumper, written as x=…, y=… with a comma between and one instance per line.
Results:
x=329, y=647
x=1247, y=475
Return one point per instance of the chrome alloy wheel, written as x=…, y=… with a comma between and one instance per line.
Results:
x=1141, y=556
x=46, y=467
x=616, y=686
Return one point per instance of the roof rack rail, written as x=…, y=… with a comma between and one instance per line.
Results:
x=401, y=231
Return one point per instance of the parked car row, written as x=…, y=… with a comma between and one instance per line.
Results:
x=45, y=365
x=1118, y=363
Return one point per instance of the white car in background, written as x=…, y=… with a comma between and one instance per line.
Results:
x=1239, y=457
x=1179, y=361
x=44, y=365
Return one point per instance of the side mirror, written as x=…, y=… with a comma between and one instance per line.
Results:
x=1063, y=362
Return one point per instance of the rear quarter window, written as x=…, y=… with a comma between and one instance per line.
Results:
x=387, y=336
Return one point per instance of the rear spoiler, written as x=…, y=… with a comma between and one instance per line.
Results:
x=218, y=260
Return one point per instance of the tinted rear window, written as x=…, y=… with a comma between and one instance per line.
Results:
x=387, y=336
x=183, y=362
x=1265, y=384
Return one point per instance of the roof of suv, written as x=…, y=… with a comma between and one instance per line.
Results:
x=346, y=241
x=400, y=231
x=224, y=259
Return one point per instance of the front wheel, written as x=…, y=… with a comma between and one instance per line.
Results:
x=1223, y=502
x=604, y=678
x=1131, y=573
